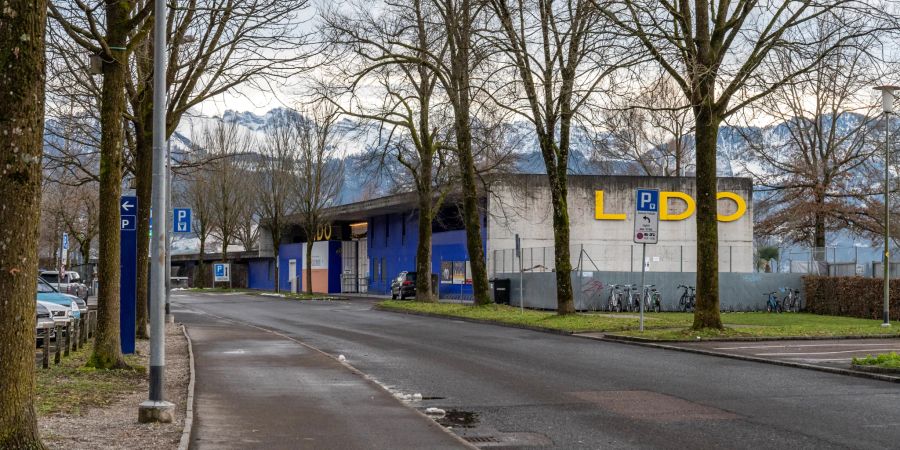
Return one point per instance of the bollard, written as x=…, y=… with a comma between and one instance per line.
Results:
x=75, y=336
x=45, y=357
x=83, y=332
x=68, y=346
x=58, y=330
x=93, y=323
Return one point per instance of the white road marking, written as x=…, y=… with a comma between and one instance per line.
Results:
x=878, y=344
x=892, y=349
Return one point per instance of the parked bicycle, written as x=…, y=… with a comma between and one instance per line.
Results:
x=614, y=303
x=688, y=298
x=630, y=297
x=791, y=301
x=652, y=298
x=773, y=303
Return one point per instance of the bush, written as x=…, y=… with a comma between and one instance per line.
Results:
x=850, y=296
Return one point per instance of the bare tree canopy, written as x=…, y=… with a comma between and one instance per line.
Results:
x=714, y=51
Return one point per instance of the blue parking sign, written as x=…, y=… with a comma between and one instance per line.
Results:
x=647, y=200
x=182, y=222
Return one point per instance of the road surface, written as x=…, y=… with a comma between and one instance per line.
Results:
x=514, y=388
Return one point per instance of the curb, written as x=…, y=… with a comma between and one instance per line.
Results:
x=614, y=336
x=875, y=369
x=345, y=364
x=832, y=370
x=480, y=321
x=189, y=410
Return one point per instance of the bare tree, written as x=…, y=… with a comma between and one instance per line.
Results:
x=215, y=46
x=230, y=147
x=198, y=195
x=458, y=19
x=112, y=37
x=21, y=124
x=653, y=132
x=321, y=175
x=714, y=51
x=410, y=117
x=277, y=177
x=810, y=163
x=558, y=55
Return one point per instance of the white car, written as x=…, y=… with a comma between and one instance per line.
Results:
x=59, y=313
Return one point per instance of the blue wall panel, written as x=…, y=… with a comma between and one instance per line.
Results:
x=288, y=252
x=395, y=251
x=261, y=274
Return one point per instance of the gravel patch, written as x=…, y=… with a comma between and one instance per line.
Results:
x=116, y=426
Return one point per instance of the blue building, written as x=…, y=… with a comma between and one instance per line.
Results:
x=367, y=245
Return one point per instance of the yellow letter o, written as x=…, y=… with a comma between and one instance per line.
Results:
x=741, y=206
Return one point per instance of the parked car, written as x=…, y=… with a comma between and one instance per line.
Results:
x=58, y=313
x=70, y=283
x=46, y=293
x=44, y=324
x=404, y=286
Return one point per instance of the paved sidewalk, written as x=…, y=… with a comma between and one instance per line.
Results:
x=256, y=389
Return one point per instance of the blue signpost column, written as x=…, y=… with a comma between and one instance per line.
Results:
x=128, y=273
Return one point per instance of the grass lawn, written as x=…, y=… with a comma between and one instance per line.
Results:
x=662, y=326
x=70, y=387
x=885, y=360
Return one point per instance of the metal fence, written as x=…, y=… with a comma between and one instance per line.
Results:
x=837, y=261
x=737, y=291
x=620, y=258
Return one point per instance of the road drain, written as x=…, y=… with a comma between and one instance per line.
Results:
x=481, y=439
x=457, y=418
x=433, y=398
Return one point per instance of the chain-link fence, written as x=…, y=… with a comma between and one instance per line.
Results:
x=838, y=261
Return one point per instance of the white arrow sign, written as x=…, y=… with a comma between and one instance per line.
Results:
x=126, y=205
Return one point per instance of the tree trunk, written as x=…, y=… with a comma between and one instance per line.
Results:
x=277, y=270
x=202, y=270
x=558, y=190
x=107, y=346
x=22, y=126
x=471, y=216
x=144, y=176
x=309, y=249
x=423, y=247
x=706, y=313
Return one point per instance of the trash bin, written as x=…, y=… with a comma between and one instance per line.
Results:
x=501, y=290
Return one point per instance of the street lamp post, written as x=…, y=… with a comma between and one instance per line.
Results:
x=887, y=107
x=156, y=409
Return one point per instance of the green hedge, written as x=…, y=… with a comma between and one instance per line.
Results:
x=850, y=296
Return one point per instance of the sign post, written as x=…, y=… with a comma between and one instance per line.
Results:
x=128, y=274
x=521, y=274
x=646, y=231
x=63, y=257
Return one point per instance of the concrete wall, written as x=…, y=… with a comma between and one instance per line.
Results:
x=737, y=291
x=522, y=205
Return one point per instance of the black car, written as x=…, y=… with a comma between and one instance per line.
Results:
x=404, y=286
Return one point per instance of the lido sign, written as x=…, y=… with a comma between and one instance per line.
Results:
x=664, y=214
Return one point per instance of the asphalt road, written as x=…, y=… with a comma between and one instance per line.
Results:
x=518, y=388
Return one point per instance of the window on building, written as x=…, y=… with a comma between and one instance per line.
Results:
x=387, y=229
x=403, y=229
x=383, y=270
